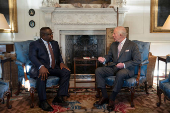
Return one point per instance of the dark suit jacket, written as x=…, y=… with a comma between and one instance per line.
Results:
x=38, y=55
x=129, y=55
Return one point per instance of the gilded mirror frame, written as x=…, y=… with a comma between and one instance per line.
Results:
x=154, y=28
x=12, y=18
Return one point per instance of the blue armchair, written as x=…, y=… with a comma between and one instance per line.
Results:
x=22, y=52
x=164, y=87
x=140, y=71
x=4, y=91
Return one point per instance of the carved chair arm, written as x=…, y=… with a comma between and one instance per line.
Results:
x=23, y=66
x=19, y=63
x=139, y=70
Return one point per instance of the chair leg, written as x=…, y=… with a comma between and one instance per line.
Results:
x=164, y=99
x=132, y=90
x=18, y=91
x=97, y=93
x=146, y=88
x=3, y=101
x=159, y=92
x=8, y=94
x=32, y=90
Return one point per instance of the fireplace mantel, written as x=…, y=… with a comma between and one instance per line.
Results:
x=82, y=16
x=66, y=19
x=80, y=21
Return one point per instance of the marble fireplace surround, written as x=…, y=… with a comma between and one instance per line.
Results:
x=80, y=21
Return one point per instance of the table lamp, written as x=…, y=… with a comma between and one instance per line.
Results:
x=3, y=22
x=3, y=25
x=167, y=23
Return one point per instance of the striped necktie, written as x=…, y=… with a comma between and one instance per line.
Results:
x=52, y=56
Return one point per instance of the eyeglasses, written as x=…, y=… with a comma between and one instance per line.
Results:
x=48, y=33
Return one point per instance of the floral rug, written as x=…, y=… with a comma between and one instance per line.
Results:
x=83, y=100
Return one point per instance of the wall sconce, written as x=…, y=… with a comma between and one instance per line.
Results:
x=167, y=24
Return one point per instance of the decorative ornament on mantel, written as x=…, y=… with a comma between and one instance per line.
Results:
x=77, y=5
x=44, y=3
x=104, y=5
x=57, y=5
x=50, y=3
x=87, y=6
x=120, y=3
x=95, y=6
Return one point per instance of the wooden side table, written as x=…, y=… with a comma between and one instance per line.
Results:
x=2, y=61
x=85, y=64
x=166, y=60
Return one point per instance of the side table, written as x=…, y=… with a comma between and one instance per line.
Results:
x=2, y=61
x=85, y=64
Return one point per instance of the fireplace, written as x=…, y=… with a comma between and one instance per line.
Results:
x=83, y=46
x=84, y=25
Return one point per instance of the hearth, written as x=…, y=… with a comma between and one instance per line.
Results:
x=83, y=46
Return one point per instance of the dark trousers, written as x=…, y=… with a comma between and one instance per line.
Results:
x=103, y=72
x=64, y=76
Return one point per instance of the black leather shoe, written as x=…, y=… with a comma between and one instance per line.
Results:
x=45, y=106
x=111, y=105
x=60, y=101
x=101, y=102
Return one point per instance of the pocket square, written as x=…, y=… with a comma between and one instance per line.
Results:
x=127, y=51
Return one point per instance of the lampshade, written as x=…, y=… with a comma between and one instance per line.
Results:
x=3, y=22
x=167, y=23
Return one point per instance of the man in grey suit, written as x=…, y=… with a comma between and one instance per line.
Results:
x=125, y=56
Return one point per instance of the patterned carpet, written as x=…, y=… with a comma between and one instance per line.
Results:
x=83, y=100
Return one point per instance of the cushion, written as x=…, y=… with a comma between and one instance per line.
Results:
x=131, y=82
x=51, y=81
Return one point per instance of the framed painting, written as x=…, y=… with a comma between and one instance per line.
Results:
x=85, y=1
x=109, y=37
x=160, y=10
x=9, y=9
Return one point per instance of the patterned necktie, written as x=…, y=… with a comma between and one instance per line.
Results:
x=52, y=56
x=119, y=48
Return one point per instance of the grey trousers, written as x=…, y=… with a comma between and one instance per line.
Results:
x=103, y=72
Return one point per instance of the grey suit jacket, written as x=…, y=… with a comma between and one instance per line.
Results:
x=129, y=55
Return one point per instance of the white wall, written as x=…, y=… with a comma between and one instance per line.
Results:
x=137, y=19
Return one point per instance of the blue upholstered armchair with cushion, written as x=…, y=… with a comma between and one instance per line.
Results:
x=4, y=91
x=164, y=87
x=22, y=51
x=140, y=71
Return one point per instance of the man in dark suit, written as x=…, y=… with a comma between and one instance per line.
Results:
x=125, y=56
x=45, y=56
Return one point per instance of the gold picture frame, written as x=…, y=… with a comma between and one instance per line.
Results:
x=12, y=18
x=154, y=28
x=109, y=37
